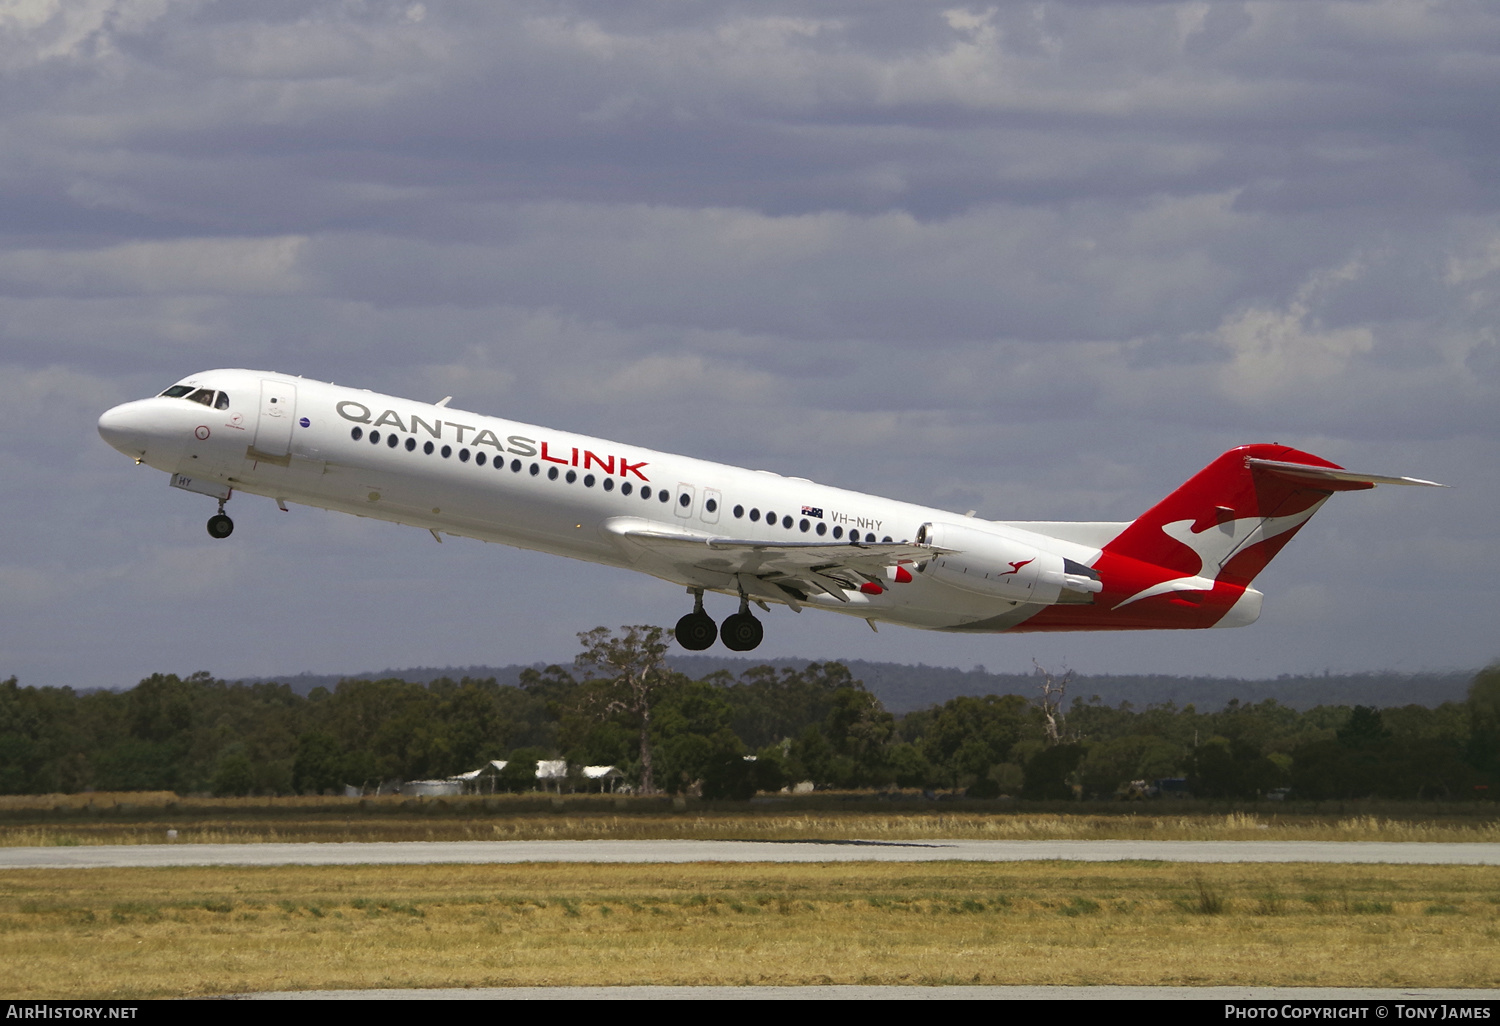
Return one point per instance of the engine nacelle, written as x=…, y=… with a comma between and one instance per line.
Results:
x=991, y=564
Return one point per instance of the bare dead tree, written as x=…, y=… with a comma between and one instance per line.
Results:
x=1054, y=691
x=629, y=670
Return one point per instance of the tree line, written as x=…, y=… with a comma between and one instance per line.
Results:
x=621, y=705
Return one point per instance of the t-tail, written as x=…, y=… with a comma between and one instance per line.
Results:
x=1188, y=561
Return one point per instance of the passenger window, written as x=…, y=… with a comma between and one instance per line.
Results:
x=626, y=487
x=427, y=448
x=572, y=476
x=822, y=529
x=552, y=474
x=609, y=484
x=838, y=532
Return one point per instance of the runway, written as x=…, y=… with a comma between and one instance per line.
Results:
x=494, y=852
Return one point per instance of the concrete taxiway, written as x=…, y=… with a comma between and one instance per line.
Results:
x=493, y=852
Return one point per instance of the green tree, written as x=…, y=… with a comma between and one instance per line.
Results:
x=1482, y=750
x=625, y=675
x=319, y=763
x=1113, y=763
x=735, y=777
x=233, y=775
x=851, y=747
x=1233, y=768
x=964, y=737
x=1048, y=774
x=519, y=773
x=691, y=732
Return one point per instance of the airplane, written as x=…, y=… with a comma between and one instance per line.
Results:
x=756, y=536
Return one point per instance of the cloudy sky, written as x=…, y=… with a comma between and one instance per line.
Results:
x=1043, y=261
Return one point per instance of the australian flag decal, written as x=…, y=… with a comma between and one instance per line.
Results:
x=813, y=511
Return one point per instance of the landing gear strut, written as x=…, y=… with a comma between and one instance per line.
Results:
x=741, y=631
x=220, y=526
x=697, y=630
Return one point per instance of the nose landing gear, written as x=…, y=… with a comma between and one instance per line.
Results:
x=697, y=630
x=219, y=525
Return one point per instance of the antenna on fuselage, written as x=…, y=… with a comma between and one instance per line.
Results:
x=443, y=401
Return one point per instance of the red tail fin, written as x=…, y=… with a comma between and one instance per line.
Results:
x=1188, y=561
x=1232, y=517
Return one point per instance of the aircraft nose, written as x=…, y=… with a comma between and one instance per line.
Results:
x=124, y=429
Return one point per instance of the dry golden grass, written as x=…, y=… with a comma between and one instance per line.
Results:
x=127, y=819
x=160, y=932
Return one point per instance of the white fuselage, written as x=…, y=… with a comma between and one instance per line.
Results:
x=464, y=474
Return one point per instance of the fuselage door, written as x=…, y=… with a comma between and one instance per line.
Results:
x=712, y=500
x=683, y=507
x=278, y=409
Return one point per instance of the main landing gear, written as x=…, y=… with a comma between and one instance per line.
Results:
x=697, y=630
x=740, y=631
x=220, y=526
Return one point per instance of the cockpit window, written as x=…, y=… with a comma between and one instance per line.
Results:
x=206, y=396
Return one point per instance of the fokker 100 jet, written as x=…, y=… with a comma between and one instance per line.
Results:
x=758, y=537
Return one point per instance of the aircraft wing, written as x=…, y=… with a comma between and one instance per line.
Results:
x=767, y=570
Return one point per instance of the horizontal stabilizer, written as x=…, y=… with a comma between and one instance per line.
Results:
x=1314, y=475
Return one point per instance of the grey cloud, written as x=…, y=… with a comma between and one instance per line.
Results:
x=1044, y=261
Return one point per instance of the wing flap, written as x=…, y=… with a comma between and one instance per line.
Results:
x=764, y=569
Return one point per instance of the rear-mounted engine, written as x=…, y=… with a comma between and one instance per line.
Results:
x=991, y=564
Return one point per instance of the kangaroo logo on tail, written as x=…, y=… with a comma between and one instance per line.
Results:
x=1215, y=545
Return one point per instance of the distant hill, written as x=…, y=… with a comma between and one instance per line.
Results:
x=902, y=688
